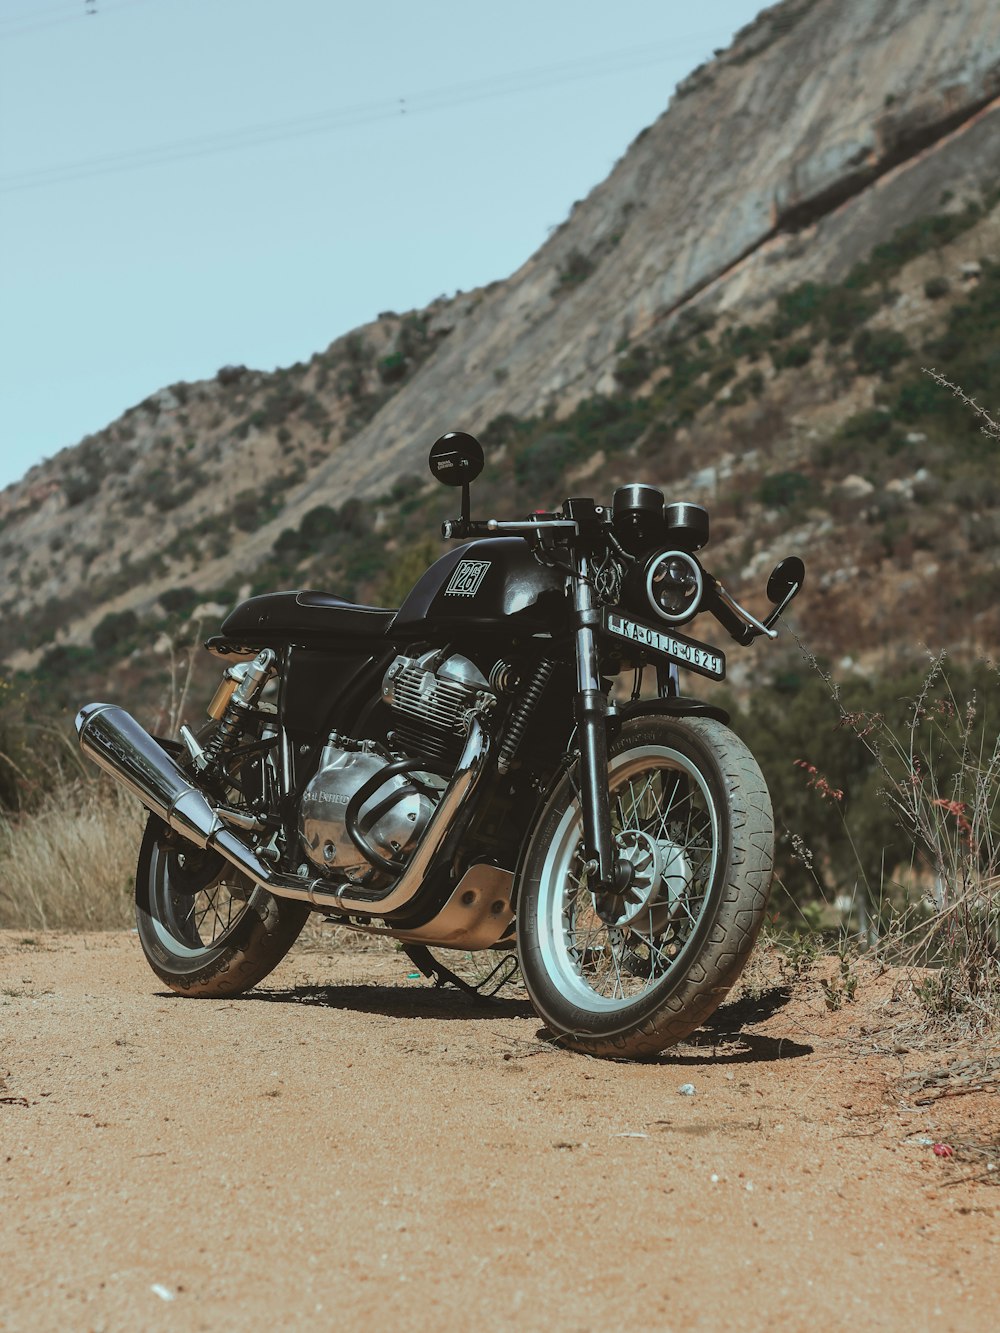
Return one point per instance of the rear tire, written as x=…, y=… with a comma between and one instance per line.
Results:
x=629, y=977
x=218, y=941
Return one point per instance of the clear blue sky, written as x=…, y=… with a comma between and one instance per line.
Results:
x=186, y=183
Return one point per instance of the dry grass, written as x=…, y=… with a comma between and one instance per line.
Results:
x=69, y=864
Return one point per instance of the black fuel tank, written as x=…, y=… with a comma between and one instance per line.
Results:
x=491, y=586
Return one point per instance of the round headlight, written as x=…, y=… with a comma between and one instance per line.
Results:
x=674, y=585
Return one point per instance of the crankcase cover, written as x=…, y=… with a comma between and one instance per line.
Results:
x=393, y=818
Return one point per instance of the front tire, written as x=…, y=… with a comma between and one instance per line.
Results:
x=631, y=976
x=217, y=941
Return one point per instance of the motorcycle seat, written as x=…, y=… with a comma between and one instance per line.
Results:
x=306, y=617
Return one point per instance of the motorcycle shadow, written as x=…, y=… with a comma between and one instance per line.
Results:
x=725, y=1041
x=398, y=1001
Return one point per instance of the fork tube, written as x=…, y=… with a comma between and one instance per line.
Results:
x=591, y=717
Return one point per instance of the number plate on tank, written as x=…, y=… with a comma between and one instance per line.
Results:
x=685, y=652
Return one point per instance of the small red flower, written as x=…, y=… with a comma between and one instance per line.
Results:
x=957, y=810
x=818, y=782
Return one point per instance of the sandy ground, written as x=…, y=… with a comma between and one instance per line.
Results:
x=348, y=1148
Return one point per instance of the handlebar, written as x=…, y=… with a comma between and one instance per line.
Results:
x=740, y=624
x=459, y=529
x=463, y=529
x=736, y=628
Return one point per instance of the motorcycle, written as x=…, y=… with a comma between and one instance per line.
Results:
x=457, y=774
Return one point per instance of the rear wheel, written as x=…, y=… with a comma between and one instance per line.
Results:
x=631, y=975
x=205, y=929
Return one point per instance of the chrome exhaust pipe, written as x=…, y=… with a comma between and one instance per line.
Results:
x=116, y=743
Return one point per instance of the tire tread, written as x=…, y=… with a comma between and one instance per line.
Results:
x=739, y=913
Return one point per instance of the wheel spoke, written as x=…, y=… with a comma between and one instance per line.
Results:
x=664, y=826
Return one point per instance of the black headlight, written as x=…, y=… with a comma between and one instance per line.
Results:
x=674, y=585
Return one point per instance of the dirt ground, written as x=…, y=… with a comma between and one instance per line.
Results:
x=347, y=1147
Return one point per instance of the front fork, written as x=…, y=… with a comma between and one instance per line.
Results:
x=607, y=872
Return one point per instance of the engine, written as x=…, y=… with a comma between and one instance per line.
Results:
x=431, y=699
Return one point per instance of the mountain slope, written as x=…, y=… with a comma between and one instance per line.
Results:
x=784, y=162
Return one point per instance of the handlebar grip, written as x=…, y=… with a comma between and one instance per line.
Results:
x=742, y=633
x=457, y=529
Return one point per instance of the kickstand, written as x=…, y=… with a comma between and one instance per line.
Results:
x=432, y=968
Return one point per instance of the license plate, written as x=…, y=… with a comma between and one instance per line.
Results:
x=688, y=653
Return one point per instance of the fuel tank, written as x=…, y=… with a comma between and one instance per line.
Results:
x=492, y=586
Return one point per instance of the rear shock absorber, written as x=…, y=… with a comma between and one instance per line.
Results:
x=243, y=697
x=521, y=714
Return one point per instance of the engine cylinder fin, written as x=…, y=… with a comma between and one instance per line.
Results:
x=415, y=740
x=432, y=701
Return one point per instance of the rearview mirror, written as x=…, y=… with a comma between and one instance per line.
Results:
x=456, y=458
x=786, y=579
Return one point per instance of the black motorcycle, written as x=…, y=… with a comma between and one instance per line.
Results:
x=457, y=774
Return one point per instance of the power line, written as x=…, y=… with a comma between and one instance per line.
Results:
x=77, y=15
x=69, y=11
x=539, y=78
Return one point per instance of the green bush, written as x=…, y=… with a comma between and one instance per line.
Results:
x=797, y=307
x=634, y=368
x=115, y=629
x=876, y=351
x=929, y=232
x=577, y=268
x=392, y=368
x=178, y=601
x=540, y=466
x=791, y=357
x=318, y=524
x=781, y=490
x=868, y=425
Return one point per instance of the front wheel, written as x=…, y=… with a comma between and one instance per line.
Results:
x=631, y=975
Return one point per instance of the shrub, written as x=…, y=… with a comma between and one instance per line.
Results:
x=577, y=268
x=318, y=524
x=781, y=490
x=876, y=351
x=634, y=368
x=178, y=601
x=114, y=630
x=80, y=486
x=392, y=368
x=541, y=464
x=228, y=375
x=868, y=425
x=791, y=357
x=246, y=511
x=915, y=238
x=797, y=307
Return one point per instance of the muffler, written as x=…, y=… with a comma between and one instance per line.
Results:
x=116, y=743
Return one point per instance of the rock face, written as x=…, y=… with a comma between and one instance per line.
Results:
x=821, y=129
x=788, y=157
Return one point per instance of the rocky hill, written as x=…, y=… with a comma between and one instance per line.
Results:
x=739, y=313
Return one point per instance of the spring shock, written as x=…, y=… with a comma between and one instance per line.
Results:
x=522, y=714
x=223, y=740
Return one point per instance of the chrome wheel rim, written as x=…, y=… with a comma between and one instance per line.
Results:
x=608, y=954
x=193, y=924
